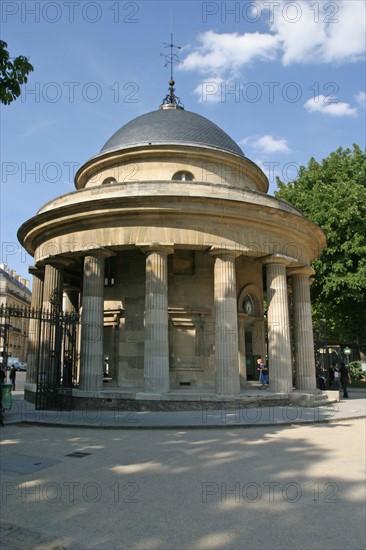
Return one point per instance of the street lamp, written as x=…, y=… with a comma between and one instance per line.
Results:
x=347, y=353
x=327, y=366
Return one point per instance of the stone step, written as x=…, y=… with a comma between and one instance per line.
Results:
x=314, y=399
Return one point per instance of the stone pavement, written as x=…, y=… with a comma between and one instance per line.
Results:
x=15, y=537
x=276, y=487
x=163, y=480
x=248, y=415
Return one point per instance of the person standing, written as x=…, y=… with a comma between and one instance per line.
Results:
x=337, y=380
x=12, y=376
x=345, y=379
x=332, y=369
x=2, y=381
x=263, y=373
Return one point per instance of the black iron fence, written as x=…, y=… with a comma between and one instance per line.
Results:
x=52, y=355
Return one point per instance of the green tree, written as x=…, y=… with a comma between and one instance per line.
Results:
x=12, y=74
x=332, y=194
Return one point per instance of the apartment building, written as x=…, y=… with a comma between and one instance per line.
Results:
x=16, y=294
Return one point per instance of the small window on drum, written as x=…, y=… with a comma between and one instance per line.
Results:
x=108, y=181
x=248, y=306
x=182, y=176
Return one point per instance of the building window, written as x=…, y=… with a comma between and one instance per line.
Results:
x=248, y=307
x=109, y=280
x=108, y=272
x=107, y=181
x=182, y=176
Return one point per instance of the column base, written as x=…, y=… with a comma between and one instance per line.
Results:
x=156, y=386
x=91, y=382
x=228, y=387
x=280, y=386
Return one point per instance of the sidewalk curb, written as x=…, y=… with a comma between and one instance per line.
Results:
x=179, y=426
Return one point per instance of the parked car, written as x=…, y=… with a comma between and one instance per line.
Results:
x=18, y=364
x=21, y=366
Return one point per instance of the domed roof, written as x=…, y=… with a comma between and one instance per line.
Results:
x=171, y=126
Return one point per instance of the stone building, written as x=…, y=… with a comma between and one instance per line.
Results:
x=14, y=295
x=180, y=264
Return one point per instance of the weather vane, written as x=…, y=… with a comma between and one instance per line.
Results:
x=170, y=59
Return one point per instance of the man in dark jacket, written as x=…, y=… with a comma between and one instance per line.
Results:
x=345, y=378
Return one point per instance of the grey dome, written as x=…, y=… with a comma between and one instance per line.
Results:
x=171, y=126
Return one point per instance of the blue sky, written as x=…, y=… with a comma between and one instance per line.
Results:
x=286, y=80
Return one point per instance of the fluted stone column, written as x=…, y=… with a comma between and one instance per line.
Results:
x=242, y=353
x=50, y=340
x=156, y=356
x=279, y=344
x=53, y=286
x=92, y=319
x=71, y=338
x=303, y=329
x=34, y=325
x=226, y=315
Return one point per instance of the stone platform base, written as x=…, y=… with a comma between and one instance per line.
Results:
x=131, y=399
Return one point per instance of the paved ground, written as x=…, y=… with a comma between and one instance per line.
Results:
x=268, y=487
x=294, y=480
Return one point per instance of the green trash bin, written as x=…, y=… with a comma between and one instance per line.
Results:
x=7, y=399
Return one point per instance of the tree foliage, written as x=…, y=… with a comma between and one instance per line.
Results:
x=12, y=74
x=332, y=194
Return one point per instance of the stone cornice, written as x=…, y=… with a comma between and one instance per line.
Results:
x=251, y=219
x=165, y=188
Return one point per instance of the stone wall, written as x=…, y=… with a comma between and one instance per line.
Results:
x=191, y=318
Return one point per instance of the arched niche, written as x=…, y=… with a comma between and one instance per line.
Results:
x=250, y=296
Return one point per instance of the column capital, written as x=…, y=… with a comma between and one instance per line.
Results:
x=280, y=259
x=161, y=248
x=58, y=262
x=99, y=252
x=216, y=250
x=305, y=271
x=36, y=271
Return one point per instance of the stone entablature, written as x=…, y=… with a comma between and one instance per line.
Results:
x=202, y=217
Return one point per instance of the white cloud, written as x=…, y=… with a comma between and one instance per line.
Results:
x=209, y=91
x=299, y=32
x=319, y=32
x=361, y=98
x=267, y=144
x=321, y=104
x=346, y=38
x=227, y=53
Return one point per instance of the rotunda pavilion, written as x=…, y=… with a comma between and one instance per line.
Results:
x=184, y=270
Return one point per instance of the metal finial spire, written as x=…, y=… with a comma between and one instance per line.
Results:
x=171, y=99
